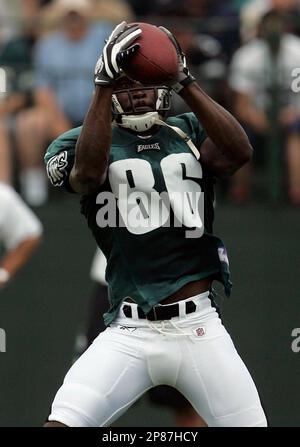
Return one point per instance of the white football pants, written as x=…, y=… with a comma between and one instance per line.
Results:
x=193, y=353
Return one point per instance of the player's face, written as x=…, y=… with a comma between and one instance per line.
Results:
x=140, y=99
x=74, y=25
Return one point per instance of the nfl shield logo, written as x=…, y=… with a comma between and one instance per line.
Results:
x=200, y=331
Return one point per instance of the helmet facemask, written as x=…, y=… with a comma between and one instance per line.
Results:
x=136, y=119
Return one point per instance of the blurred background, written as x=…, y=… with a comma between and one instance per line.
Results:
x=245, y=54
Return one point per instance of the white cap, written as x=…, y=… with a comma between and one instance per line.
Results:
x=62, y=7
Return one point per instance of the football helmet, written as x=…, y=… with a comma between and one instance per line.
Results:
x=138, y=107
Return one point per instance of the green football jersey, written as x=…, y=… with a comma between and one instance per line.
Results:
x=153, y=216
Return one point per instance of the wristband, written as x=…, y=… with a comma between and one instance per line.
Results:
x=184, y=83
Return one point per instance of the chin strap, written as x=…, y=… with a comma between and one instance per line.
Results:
x=139, y=123
x=144, y=123
x=183, y=135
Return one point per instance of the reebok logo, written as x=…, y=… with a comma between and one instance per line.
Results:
x=145, y=147
x=127, y=328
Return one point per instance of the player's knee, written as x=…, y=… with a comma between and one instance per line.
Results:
x=78, y=405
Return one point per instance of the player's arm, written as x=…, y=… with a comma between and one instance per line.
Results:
x=16, y=258
x=226, y=147
x=21, y=233
x=92, y=148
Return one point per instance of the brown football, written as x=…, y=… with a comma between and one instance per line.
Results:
x=156, y=61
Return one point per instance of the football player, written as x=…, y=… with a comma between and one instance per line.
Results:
x=20, y=233
x=183, y=413
x=146, y=185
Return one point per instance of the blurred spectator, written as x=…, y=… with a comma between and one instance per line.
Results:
x=17, y=14
x=20, y=233
x=112, y=11
x=250, y=17
x=17, y=33
x=15, y=65
x=16, y=60
x=253, y=11
x=5, y=162
x=257, y=67
x=5, y=156
x=64, y=62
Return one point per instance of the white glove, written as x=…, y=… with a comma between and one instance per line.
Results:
x=116, y=51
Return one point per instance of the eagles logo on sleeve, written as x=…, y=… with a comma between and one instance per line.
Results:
x=56, y=168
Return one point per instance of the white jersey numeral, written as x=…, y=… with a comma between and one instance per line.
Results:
x=140, y=205
x=142, y=208
x=186, y=197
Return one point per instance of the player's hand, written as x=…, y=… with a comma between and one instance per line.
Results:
x=116, y=51
x=184, y=76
